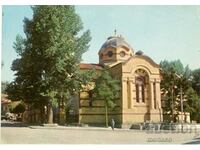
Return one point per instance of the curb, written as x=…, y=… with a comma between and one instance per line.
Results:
x=78, y=128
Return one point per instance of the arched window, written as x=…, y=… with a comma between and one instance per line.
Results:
x=140, y=89
x=141, y=86
x=137, y=92
x=143, y=93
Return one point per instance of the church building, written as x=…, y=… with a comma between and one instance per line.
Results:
x=140, y=78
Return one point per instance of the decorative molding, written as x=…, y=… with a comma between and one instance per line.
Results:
x=151, y=80
x=140, y=105
x=158, y=81
x=124, y=79
x=131, y=79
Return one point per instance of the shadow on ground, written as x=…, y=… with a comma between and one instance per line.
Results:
x=13, y=124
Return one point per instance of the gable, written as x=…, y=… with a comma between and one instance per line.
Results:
x=141, y=62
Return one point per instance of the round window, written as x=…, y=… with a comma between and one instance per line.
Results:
x=122, y=53
x=110, y=53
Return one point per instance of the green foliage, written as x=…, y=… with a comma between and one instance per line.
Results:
x=87, y=76
x=19, y=45
x=14, y=91
x=193, y=104
x=107, y=88
x=177, y=66
x=196, y=80
x=48, y=67
x=175, y=78
x=20, y=108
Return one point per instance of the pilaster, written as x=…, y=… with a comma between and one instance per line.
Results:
x=124, y=92
x=158, y=94
x=130, y=100
x=151, y=94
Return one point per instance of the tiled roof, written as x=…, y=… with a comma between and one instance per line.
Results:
x=90, y=66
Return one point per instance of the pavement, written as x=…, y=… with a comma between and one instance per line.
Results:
x=79, y=128
x=18, y=133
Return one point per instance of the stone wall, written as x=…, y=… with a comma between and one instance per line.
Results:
x=93, y=111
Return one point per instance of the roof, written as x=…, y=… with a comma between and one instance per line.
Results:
x=4, y=99
x=143, y=57
x=115, y=41
x=90, y=66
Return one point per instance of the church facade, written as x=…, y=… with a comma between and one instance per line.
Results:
x=140, y=98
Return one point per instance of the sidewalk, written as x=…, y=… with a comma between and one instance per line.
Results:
x=96, y=128
x=80, y=128
x=36, y=134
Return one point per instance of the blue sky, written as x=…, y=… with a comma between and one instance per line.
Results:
x=161, y=32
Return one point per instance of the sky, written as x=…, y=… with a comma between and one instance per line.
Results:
x=161, y=32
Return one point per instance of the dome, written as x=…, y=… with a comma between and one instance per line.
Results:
x=115, y=50
x=116, y=41
x=139, y=52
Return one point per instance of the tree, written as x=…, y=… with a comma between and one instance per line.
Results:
x=196, y=80
x=193, y=104
x=107, y=88
x=175, y=78
x=193, y=96
x=14, y=91
x=20, y=108
x=47, y=70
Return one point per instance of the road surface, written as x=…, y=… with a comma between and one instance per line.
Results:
x=17, y=133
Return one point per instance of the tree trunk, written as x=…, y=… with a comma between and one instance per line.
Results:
x=50, y=114
x=106, y=115
x=41, y=114
x=58, y=115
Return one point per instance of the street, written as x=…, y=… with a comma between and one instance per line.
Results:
x=17, y=133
